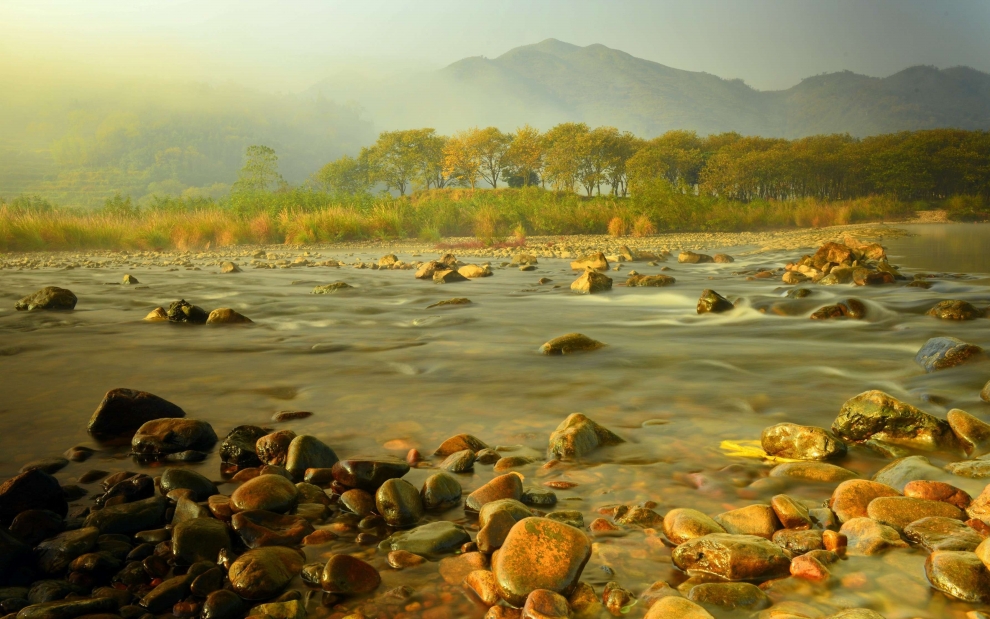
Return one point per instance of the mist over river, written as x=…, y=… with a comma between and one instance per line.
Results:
x=384, y=373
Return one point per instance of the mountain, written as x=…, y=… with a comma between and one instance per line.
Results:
x=553, y=81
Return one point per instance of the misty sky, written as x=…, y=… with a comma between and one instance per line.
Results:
x=288, y=45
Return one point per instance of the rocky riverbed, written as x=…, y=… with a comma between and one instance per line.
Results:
x=787, y=425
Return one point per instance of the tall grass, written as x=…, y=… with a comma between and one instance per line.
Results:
x=491, y=216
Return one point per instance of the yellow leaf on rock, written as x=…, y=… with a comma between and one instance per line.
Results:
x=750, y=449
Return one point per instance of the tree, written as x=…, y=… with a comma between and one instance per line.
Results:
x=492, y=148
x=260, y=171
x=525, y=154
x=430, y=152
x=345, y=175
x=394, y=159
x=595, y=150
x=565, y=146
x=461, y=158
x=621, y=149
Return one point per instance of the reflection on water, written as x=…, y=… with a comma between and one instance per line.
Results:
x=381, y=372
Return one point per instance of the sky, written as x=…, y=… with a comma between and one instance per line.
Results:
x=286, y=46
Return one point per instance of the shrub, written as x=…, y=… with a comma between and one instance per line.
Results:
x=643, y=227
x=616, y=227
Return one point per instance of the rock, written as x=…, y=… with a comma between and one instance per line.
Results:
x=812, y=471
x=759, y=520
x=187, y=479
x=798, y=442
x=455, y=569
x=570, y=343
x=900, y=472
x=974, y=469
x=544, y=604
x=182, y=311
x=851, y=499
x=940, y=353
x=222, y=604
x=429, y=269
x=938, y=491
x=399, y=503
x=347, y=575
x=793, y=277
x=440, y=492
x=960, y=575
x=401, y=559
x=459, y=462
x=48, y=298
x=200, y=539
x=273, y=448
x=69, y=609
x=272, y=493
x=595, y=262
x=732, y=557
x=972, y=434
x=985, y=392
x=238, y=447
x=939, y=533
x=652, y=281
x=308, y=452
x=954, y=310
x=791, y=513
x=431, y=540
x=259, y=528
x=129, y=518
x=711, y=302
x=459, y=443
x=472, y=271
x=331, y=288
x=672, y=607
x=34, y=525
x=482, y=584
x=229, y=267
x=729, y=596
x=690, y=257
x=293, y=609
x=980, y=507
x=55, y=554
x=123, y=411
x=592, y=282
x=156, y=315
x=540, y=553
x=874, y=415
x=799, y=542
x=262, y=573
x=165, y=436
x=450, y=302
x=448, y=276
x=577, y=436
x=46, y=465
x=30, y=490
x=227, y=316
x=900, y=511
x=369, y=473
x=508, y=486
x=868, y=537
x=358, y=502
x=683, y=524
x=523, y=259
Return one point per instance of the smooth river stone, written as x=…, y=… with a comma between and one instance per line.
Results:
x=201, y=487
x=31, y=490
x=868, y=537
x=199, y=539
x=973, y=469
x=240, y=446
x=307, y=452
x=347, y=575
x=570, y=343
x=729, y=596
x=129, y=518
x=167, y=436
x=875, y=415
x=262, y=573
x=812, y=471
x=940, y=353
x=440, y=491
x=55, y=554
x=938, y=533
x=508, y=486
x=673, y=607
x=900, y=511
x=938, y=491
x=973, y=434
x=732, y=557
x=960, y=575
x=759, y=520
x=123, y=411
x=258, y=528
x=682, y=524
x=273, y=448
x=272, y=493
x=540, y=553
x=577, y=436
x=368, y=473
x=431, y=540
x=69, y=609
x=459, y=461
x=460, y=442
x=790, y=440
x=399, y=503
x=545, y=604
x=791, y=513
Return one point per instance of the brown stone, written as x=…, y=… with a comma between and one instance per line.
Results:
x=899, y=511
x=938, y=533
x=592, y=261
x=460, y=442
x=672, y=607
x=482, y=584
x=683, y=524
x=453, y=570
x=272, y=493
x=401, y=559
x=790, y=440
x=800, y=541
x=973, y=434
x=273, y=448
x=809, y=568
x=570, y=343
x=729, y=596
x=791, y=513
x=812, y=471
x=868, y=537
x=540, y=553
x=653, y=281
x=545, y=604
x=227, y=316
x=732, y=557
x=960, y=575
x=347, y=575
x=938, y=491
x=508, y=486
x=852, y=498
x=759, y=520
x=592, y=282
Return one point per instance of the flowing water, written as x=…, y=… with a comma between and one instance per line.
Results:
x=384, y=373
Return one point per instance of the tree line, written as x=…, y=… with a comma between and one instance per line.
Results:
x=915, y=165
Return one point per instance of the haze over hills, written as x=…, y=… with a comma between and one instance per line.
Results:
x=553, y=81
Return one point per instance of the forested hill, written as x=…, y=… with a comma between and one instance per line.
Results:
x=603, y=86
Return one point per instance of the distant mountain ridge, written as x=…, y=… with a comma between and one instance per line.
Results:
x=553, y=81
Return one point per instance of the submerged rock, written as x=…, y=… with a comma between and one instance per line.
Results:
x=577, y=436
x=431, y=540
x=712, y=302
x=940, y=353
x=973, y=434
x=592, y=282
x=229, y=267
x=460, y=442
x=123, y=411
x=450, y=303
x=868, y=537
x=653, y=281
x=690, y=257
x=48, y=298
x=183, y=311
x=851, y=499
x=368, y=473
x=877, y=416
x=570, y=343
x=954, y=310
x=798, y=442
x=129, y=518
x=227, y=316
x=331, y=288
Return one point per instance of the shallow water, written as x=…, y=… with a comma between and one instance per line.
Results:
x=382, y=374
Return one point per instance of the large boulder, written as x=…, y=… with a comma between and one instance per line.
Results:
x=877, y=416
x=577, y=436
x=540, y=553
x=48, y=298
x=123, y=411
x=940, y=353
